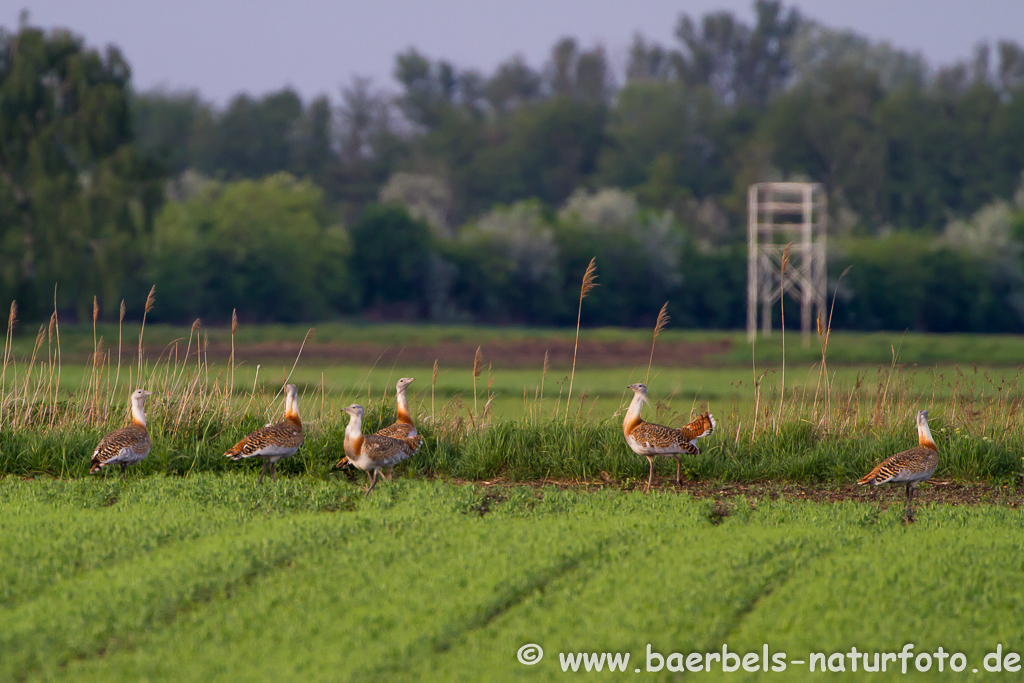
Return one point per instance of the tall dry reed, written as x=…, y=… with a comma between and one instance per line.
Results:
x=659, y=325
x=589, y=282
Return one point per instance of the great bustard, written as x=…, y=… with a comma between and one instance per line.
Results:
x=128, y=444
x=371, y=452
x=909, y=467
x=403, y=427
x=652, y=440
x=275, y=441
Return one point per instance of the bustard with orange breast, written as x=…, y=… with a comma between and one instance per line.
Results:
x=403, y=428
x=275, y=441
x=371, y=452
x=128, y=444
x=651, y=440
x=909, y=467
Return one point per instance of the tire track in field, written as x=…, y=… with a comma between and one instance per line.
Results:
x=503, y=604
x=769, y=585
x=162, y=536
x=86, y=616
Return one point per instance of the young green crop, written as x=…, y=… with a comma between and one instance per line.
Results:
x=311, y=580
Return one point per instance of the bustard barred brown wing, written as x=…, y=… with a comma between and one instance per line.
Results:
x=132, y=441
x=404, y=432
x=660, y=437
x=385, y=450
x=910, y=465
x=284, y=434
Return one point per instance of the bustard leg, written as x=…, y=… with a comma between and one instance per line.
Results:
x=650, y=477
x=262, y=472
x=391, y=471
x=910, y=503
x=373, y=481
x=273, y=471
x=124, y=468
x=679, y=466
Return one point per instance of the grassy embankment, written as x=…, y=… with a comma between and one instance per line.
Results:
x=827, y=426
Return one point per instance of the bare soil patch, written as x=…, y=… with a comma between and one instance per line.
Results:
x=945, y=492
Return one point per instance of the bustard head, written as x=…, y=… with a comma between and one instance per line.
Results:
x=640, y=390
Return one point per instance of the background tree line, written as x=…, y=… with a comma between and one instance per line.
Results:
x=474, y=196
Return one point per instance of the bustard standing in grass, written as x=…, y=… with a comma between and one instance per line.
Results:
x=275, y=441
x=128, y=444
x=651, y=440
x=403, y=427
x=371, y=452
x=909, y=467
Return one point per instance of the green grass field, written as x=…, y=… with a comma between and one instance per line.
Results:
x=184, y=569
x=211, y=578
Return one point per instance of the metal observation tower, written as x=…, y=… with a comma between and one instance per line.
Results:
x=781, y=214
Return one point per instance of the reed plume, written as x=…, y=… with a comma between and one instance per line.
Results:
x=478, y=366
x=150, y=300
x=589, y=282
x=659, y=325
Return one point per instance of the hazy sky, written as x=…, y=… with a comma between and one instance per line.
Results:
x=221, y=47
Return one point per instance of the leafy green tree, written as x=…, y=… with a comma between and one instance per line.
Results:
x=391, y=259
x=368, y=147
x=75, y=194
x=639, y=254
x=649, y=62
x=253, y=137
x=267, y=247
x=548, y=150
x=513, y=85
x=508, y=266
x=175, y=127
x=816, y=52
x=743, y=65
x=659, y=143
x=832, y=137
x=312, y=154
